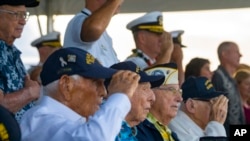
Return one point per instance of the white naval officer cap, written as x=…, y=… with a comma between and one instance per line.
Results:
x=176, y=36
x=52, y=39
x=152, y=21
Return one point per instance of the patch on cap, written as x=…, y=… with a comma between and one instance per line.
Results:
x=169, y=70
x=176, y=35
x=152, y=22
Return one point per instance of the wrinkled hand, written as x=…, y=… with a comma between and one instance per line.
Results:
x=33, y=88
x=219, y=109
x=125, y=82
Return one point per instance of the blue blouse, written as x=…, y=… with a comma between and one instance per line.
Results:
x=127, y=133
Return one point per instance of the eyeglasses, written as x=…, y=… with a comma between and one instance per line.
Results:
x=18, y=15
x=172, y=89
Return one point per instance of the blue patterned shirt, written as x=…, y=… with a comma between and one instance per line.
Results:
x=12, y=72
x=127, y=133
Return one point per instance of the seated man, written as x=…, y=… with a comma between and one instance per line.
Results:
x=165, y=107
x=73, y=86
x=140, y=102
x=202, y=112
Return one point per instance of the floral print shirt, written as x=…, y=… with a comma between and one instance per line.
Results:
x=12, y=73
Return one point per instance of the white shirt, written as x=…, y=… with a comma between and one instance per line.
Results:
x=187, y=130
x=102, y=49
x=50, y=120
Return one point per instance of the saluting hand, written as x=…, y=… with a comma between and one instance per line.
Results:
x=124, y=81
x=219, y=109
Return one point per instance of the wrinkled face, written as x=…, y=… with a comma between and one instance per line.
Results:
x=141, y=102
x=87, y=95
x=205, y=71
x=153, y=41
x=202, y=111
x=244, y=88
x=167, y=98
x=11, y=23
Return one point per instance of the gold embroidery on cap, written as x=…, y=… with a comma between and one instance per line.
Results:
x=52, y=44
x=137, y=70
x=208, y=84
x=90, y=59
x=3, y=133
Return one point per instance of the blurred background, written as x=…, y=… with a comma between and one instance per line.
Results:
x=205, y=26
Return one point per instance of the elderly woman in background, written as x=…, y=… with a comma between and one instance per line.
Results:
x=242, y=77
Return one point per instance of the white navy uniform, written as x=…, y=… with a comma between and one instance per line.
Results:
x=102, y=49
x=151, y=22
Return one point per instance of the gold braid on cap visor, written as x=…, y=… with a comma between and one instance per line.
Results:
x=152, y=28
x=52, y=44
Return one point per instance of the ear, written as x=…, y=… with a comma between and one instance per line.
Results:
x=65, y=87
x=141, y=36
x=190, y=106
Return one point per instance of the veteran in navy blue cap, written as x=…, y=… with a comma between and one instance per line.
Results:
x=202, y=112
x=45, y=45
x=153, y=44
x=16, y=88
x=141, y=101
x=73, y=86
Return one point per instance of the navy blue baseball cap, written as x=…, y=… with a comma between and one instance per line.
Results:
x=199, y=87
x=70, y=61
x=155, y=81
x=27, y=3
x=9, y=128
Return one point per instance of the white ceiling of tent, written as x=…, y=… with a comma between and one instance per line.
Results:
x=57, y=7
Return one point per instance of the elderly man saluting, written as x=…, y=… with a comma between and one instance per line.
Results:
x=70, y=109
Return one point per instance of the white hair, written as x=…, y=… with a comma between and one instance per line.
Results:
x=52, y=87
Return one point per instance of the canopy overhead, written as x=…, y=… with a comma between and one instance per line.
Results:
x=64, y=7
x=69, y=7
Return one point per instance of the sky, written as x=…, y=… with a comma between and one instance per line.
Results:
x=204, y=31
